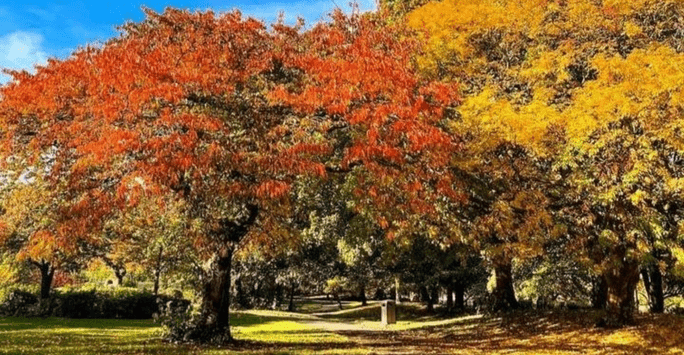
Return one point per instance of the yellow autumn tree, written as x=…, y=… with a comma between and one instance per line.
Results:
x=578, y=103
x=35, y=228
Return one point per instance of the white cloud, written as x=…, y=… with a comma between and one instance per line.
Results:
x=21, y=50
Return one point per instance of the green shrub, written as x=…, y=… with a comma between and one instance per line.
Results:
x=76, y=304
x=114, y=303
x=176, y=317
x=20, y=303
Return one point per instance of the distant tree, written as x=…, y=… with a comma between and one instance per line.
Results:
x=35, y=228
x=152, y=235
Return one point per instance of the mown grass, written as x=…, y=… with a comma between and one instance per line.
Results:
x=274, y=332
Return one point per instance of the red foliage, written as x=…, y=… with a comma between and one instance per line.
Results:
x=216, y=108
x=358, y=70
x=174, y=102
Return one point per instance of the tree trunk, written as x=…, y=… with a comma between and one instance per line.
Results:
x=157, y=270
x=460, y=296
x=214, y=321
x=599, y=294
x=242, y=298
x=362, y=295
x=118, y=268
x=621, y=284
x=339, y=301
x=504, y=294
x=47, y=273
x=120, y=273
x=213, y=325
x=434, y=295
x=397, y=297
x=653, y=283
x=157, y=275
x=450, y=296
x=291, y=306
x=277, y=296
x=425, y=296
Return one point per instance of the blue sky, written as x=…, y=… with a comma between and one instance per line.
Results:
x=32, y=31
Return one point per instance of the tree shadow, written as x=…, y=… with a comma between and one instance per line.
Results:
x=532, y=333
x=275, y=346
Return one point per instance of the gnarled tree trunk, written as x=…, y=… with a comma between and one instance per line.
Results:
x=621, y=282
x=338, y=299
x=213, y=325
x=425, y=297
x=118, y=268
x=120, y=274
x=214, y=321
x=434, y=295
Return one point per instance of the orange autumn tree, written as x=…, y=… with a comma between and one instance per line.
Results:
x=226, y=115
x=386, y=122
x=175, y=104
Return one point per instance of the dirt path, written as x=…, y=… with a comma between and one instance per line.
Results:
x=376, y=326
x=403, y=338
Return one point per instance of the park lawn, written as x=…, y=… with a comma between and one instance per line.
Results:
x=274, y=332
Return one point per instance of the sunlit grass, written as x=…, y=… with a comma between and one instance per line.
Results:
x=281, y=327
x=267, y=335
x=277, y=332
x=83, y=336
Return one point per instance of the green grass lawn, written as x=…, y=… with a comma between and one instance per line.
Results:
x=355, y=332
x=274, y=333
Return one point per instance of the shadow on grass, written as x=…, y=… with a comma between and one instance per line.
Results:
x=269, y=346
x=532, y=333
